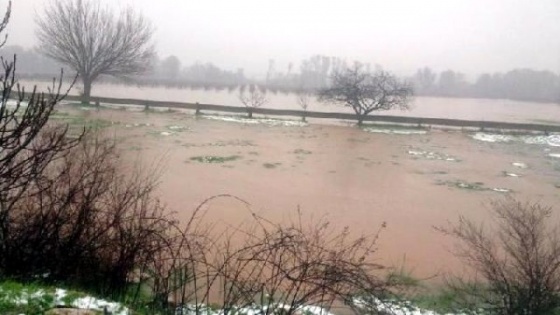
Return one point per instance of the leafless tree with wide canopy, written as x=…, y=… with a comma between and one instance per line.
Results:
x=93, y=40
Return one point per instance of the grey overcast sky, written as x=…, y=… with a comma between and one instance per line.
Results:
x=471, y=36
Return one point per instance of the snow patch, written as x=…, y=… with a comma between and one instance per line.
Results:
x=393, y=307
x=550, y=140
x=395, y=131
x=511, y=174
x=501, y=190
x=86, y=302
x=202, y=309
x=257, y=121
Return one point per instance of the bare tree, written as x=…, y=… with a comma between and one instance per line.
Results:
x=519, y=263
x=303, y=97
x=254, y=99
x=366, y=91
x=94, y=41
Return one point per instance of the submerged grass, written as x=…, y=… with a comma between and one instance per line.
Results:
x=214, y=159
x=271, y=165
x=302, y=151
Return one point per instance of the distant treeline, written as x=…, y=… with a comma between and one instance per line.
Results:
x=518, y=84
x=312, y=74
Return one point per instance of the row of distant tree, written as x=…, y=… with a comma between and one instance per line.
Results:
x=316, y=73
x=518, y=84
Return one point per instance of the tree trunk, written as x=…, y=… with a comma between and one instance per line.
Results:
x=250, y=112
x=87, y=91
x=360, y=119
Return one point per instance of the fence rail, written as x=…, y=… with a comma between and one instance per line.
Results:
x=421, y=121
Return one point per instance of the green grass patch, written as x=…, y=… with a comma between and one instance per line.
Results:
x=475, y=186
x=78, y=122
x=214, y=159
x=271, y=165
x=302, y=151
x=232, y=143
x=31, y=298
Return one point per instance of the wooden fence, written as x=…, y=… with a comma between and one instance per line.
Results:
x=419, y=121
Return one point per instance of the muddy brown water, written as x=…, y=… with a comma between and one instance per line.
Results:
x=351, y=177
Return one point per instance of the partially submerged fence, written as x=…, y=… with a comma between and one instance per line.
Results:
x=419, y=121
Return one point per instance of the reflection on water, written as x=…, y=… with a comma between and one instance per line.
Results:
x=470, y=109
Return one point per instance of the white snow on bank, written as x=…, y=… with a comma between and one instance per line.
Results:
x=14, y=103
x=257, y=121
x=395, y=131
x=511, y=174
x=91, y=303
x=395, y=307
x=86, y=302
x=550, y=140
x=191, y=309
x=554, y=155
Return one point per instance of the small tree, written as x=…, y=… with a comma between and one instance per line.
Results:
x=254, y=99
x=366, y=91
x=519, y=263
x=303, y=97
x=93, y=41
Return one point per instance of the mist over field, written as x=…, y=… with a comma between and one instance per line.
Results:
x=469, y=36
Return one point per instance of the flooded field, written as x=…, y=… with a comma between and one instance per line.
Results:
x=411, y=179
x=455, y=108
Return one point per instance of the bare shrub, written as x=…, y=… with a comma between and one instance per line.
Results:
x=27, y=147
x=517, y=266
x=86, y=220
x=270, y=268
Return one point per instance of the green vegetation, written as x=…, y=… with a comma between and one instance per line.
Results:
x=77, y=122
x=233, y=143
x=302, y=151
x=271, y=165
x=213, y=159
x=33, y=298
x=467, y=185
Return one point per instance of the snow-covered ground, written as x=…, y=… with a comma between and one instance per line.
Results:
x=257, y=121
x=552, y=140
x=395, y=131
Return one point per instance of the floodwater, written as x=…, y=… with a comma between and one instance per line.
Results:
x=455, y=108
x=349, y=176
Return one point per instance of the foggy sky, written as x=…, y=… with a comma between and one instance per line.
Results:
x=471, y=36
